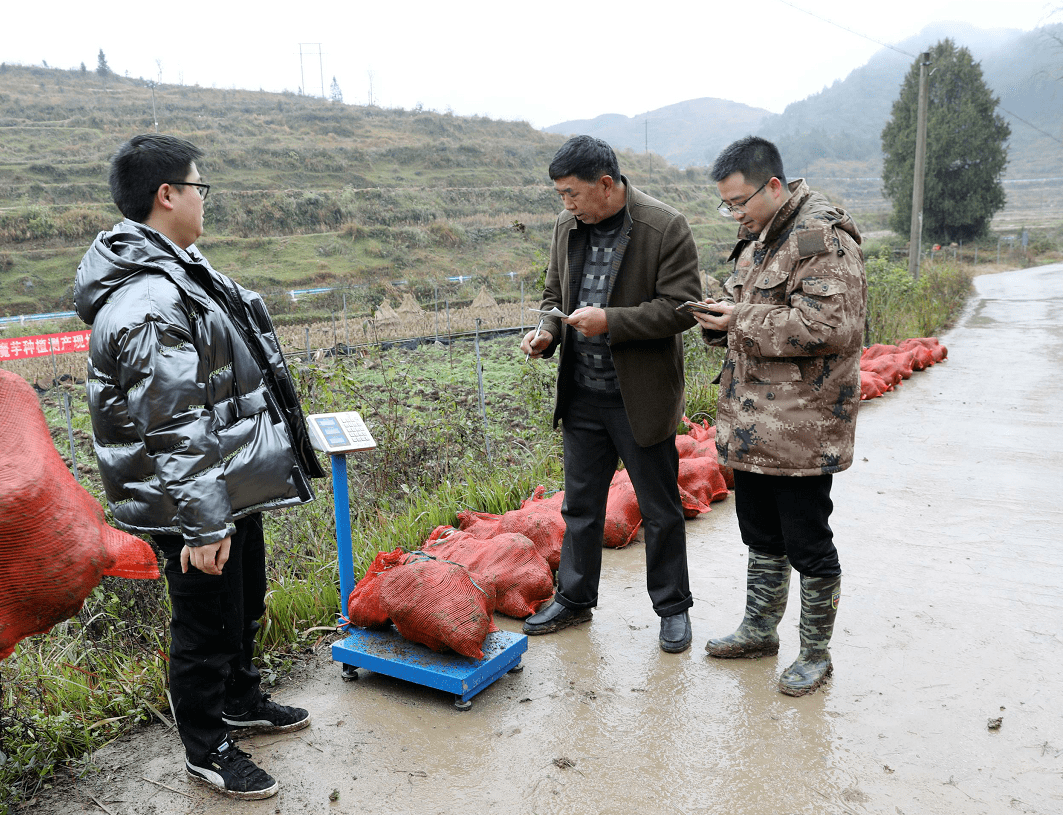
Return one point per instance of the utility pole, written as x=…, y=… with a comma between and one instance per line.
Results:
x=916, y=239
x=321, y=67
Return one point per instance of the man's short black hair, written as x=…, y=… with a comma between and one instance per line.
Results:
x=757, y=159
x=142, y=165
x=585, y=157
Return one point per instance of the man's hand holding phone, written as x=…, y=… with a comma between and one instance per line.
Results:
x=710, y=314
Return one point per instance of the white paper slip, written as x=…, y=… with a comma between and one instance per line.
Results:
x=552, y=312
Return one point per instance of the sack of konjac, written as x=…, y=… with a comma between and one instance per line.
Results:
x=702, y=478
x=700, y=441
x=938, y=352
x=522, y=577
x=55, y=545
x=893, y=368
x=872, y=385
x=439, y=604
x=622, y=514
x=538, y=518
x=364, y=606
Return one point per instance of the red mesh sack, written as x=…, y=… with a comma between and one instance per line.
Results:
x=922, y=357
x=522, y=577
x=364, y=606
x=690, y=447
x=892, y=368
x=54, y=542
x=701, y=478
x=692, y=505
x=441, y=605
x=538, y=519
x=481, y=524
x=702, y=432
x=622, y=514
x=938, y=352
x=878, y=350
x=539, y=497
x=872, y=385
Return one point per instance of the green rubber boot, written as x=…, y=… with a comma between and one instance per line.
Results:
x=819, y=607
x=767, y=587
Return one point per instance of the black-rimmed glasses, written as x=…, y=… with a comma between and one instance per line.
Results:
x=727, y=210
x=203, y=189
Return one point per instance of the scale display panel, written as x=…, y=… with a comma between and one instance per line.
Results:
x=336, y=433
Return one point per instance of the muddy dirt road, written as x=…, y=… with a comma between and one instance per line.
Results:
x=949, y=527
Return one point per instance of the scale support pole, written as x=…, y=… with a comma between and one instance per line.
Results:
x=342, y=503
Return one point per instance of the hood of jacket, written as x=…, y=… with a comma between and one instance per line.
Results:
x=126, y=251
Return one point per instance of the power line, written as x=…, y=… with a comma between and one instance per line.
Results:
x=1035, y=127
x=905, y=53
x=851, y=31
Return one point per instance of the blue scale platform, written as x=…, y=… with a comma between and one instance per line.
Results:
x=388, y=652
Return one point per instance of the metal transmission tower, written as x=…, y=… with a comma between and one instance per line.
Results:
x=320, y=64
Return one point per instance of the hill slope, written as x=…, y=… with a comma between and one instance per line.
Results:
x=307, y=193
x=838, y=130
x=687, y=134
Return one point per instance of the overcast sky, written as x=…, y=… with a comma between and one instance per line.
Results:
x=540, y=62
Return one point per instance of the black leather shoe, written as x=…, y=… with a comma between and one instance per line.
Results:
x=675, y=632
x=553, y=618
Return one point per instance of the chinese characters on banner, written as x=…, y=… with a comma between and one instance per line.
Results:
x=44, y=345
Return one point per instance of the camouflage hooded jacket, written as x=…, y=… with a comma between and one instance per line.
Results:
x=790, y=384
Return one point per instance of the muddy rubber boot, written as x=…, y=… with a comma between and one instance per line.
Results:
x=819, y=607
x=767, y=587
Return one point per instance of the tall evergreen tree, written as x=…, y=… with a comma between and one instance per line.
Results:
x=965, y=149
x=102, y=68
x=335, y=94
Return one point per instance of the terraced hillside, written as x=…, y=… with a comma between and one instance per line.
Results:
x=306, y=193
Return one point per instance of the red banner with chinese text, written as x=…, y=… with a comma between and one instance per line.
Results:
x=44, y=345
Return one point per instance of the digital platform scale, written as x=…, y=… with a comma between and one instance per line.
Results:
x=334, y=433
x=388, y=652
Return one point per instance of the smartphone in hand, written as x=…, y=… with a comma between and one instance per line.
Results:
x=694, y=305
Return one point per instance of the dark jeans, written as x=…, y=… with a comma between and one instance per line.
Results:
x=788, y=515
x=212, y=633
x=595, y=439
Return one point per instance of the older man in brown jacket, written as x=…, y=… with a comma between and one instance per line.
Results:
x=620, y=264
x=789, y=393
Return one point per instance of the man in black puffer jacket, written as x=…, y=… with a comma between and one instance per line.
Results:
x=197, y=429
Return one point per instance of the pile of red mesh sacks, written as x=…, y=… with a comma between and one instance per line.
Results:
x=54, y=543
x=883, y=367
x=443, y=595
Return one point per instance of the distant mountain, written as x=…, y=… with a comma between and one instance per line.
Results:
x=687, y=133
x=838, y=130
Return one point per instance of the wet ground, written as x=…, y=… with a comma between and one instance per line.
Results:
x=950, y=532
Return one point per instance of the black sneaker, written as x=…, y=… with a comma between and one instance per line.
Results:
x=268, y=717
x=230, y=771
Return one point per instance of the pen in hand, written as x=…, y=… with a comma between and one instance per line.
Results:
x=538, y=328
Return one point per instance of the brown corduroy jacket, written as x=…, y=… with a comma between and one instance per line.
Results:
x=656, y=268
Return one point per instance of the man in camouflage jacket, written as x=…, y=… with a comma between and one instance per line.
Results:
x=789, y=394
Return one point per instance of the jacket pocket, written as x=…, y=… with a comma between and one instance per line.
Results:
x=823, y=286
x=773, y=371
x=768, y=280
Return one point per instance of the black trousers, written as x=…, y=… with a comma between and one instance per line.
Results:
x=595, y=439
x=788, y=515
x=212, y=632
